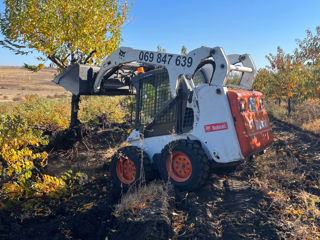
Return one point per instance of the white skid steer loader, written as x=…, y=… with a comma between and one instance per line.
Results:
x=186, y=115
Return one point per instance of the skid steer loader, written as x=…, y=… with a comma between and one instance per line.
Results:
x=186, y=115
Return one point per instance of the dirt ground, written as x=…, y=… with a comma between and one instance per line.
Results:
x=228, y=206
x=16, y=82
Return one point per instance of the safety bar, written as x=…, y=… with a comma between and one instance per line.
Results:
x=248, y=68
x=240, y=69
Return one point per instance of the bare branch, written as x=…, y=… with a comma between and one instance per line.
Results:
x=13, y=47
x=57, y=61
x=65, y=58
x=73, y=60
x=4, y=165
x=89, y=56
x=14, y=44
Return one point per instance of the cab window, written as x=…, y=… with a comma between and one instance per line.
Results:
x=204, y=73
x=199, y=78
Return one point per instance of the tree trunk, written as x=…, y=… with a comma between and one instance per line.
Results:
x=74, y=110
x=289, y=106
x=4, y=167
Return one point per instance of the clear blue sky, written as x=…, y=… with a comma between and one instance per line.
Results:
x=247, y=26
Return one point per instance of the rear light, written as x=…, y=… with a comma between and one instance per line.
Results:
x=242, y=105
x=261, y=103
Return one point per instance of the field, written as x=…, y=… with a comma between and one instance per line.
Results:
x=273, y=196
x=17, y=82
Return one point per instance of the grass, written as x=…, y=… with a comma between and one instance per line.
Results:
x=17, y=99
x=295, y=210
x=140, y=198
x=111, y=151
x=305, y=115
x=54, y=114
x=18, y=80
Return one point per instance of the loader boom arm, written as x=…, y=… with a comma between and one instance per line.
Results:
x=177, y=65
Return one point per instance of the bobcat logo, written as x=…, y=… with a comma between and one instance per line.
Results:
x=122, y=54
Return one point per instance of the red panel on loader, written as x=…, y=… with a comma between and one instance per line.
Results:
x=251, y=121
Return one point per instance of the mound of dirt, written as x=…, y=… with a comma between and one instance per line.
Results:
x=144, y=215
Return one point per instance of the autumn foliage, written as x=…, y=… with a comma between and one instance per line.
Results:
x=22, y=136
x=64, y=31
x=293, y=77
x=19, y=160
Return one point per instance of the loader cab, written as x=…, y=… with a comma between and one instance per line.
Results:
x=157, y=112
x=155, y=115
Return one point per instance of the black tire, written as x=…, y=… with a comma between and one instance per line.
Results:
x=136, y=155
x=199, y=163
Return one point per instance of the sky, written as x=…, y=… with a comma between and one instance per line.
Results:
x=248, y=26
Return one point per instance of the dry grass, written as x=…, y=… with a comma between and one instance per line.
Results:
x=312, y=125
x=295, y=210
x=140, y=198
x=111, y=151
x=18, y=81
x=305, y=115
x=17, y=99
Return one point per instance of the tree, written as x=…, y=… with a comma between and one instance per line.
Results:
x=309, y=48
x=308, y=53
x=293, y=77
x=287, y=78
x=183, y=50
x=160, y=49
x=65, y=32
x=282, y=80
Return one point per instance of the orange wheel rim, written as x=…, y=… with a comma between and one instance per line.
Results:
x=179, y=166
x=126, y=170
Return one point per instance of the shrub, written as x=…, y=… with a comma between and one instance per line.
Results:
x=94, y=107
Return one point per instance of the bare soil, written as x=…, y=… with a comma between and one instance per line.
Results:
x=16, y=82
x=228, y=206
